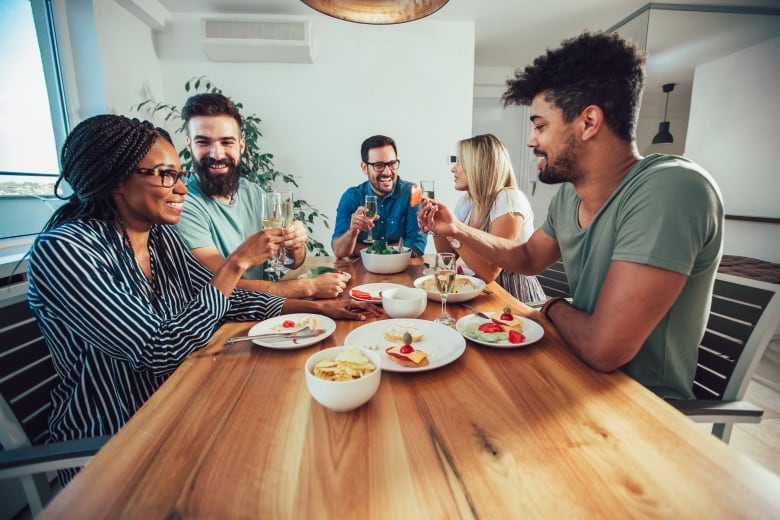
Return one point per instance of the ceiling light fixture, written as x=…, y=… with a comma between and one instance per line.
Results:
x=663, y=135
x=377, y=12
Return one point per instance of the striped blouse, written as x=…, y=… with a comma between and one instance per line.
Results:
x=113, y=342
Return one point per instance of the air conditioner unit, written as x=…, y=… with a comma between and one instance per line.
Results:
x=260, y=40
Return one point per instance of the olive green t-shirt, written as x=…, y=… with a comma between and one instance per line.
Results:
x=668, y=213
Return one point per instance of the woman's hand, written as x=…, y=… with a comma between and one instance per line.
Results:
x=349, y=309
x=435, y=216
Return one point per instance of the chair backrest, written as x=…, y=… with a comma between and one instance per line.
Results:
x=554, y=281
x=743, y=318
x=27, y=377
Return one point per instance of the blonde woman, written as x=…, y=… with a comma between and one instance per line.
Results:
x=492, y=202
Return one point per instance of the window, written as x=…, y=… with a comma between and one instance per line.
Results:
x=28, y=147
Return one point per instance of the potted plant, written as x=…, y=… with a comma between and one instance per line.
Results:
x=256, y=165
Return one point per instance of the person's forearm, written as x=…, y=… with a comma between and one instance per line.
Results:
x=503, y=252
x=227, y=276
x=344, y=245
x=286, y=288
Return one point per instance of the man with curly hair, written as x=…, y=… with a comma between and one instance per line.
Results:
x=640, y=237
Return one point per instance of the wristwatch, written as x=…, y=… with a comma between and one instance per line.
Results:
x=454, y=243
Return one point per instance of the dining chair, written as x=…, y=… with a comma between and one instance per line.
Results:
x=27, y=376
x=554, y=281
x=744, y=316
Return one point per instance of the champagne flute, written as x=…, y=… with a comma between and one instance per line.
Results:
x=372, y=207
x=428, y=193
x=444, y=275
x=288, y=214
x=272, y=219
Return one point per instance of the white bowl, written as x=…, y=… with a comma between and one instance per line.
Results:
x=342, y=396
x=404, y=302
x=386, y=264
x=453, y=297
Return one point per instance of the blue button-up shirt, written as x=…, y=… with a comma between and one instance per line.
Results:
x=396, y=216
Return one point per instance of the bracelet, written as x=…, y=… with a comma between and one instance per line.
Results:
x=549, y=303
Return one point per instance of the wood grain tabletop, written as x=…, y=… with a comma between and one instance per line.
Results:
x=530, y=432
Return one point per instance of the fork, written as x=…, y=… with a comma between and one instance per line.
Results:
x=301, y=333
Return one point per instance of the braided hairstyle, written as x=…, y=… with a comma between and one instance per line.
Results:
x=99, y=154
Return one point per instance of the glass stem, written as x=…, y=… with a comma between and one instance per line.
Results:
x=444, y=305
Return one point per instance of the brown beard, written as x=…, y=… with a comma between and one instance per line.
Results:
x=217, y=185
x=565, y=167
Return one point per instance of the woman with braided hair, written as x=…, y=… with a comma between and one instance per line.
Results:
x=119, y=298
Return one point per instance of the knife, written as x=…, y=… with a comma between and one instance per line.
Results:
x=277, y=335
x=475, y=311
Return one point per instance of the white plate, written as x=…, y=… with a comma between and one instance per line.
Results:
x=271, y=324
x=532, y=331
x=442, y=344
x=310, y=274
x=453, y=297
x=373, y=289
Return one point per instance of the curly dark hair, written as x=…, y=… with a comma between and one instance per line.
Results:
x=209, y=104
x=376, y=141
x=99, y=154
x=603, y=69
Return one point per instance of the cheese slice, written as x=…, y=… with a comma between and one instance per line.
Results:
x=516, y=323
x=416, y=357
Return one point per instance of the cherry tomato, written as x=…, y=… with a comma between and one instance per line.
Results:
x=516, y=337
x=406, y=349
x=507, y=315
x=416, y=196
x=288, y=324
x=491, y=327
x=459, y=270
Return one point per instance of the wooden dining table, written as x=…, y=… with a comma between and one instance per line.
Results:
x=528, y=432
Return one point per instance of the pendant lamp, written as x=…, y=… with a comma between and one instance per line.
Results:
x=377, y=12
x=663, y=135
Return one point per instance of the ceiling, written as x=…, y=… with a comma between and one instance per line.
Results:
x=511, y=33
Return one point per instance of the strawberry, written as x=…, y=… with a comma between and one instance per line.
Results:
x=515, y=337
x=459, y=270
x=288, y=324
x=490, y=327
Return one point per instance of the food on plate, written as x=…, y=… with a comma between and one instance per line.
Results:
x=461, y=285
x=396, y=333
x=293, y=325
x=406, y=355
x=363, y=295
x=415, y=196
x=349, y=364
x=493, y=332
x=507, y=319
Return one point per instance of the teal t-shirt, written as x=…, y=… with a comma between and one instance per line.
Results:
x=206, y=222
x=668, y=213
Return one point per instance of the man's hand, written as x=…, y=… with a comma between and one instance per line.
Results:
x=435, y=216
x=328, y=285
x=295, y=236
x=349, y=309
x=360, y=222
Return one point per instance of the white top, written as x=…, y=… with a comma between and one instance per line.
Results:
x=508, y=201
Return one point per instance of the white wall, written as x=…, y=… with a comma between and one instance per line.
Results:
x=413, y=82
x=733, y=134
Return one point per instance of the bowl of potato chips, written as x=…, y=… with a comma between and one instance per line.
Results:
x=343, y=378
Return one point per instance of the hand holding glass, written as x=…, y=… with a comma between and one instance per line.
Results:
x=372, y=207
x=444, y=274
x=272, y=219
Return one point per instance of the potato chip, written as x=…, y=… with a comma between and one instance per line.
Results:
x=349, y=364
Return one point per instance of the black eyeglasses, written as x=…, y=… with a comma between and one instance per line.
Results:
x=379, y=167
x=168, y=178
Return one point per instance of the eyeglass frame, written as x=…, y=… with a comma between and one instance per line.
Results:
x=384, y=165
x=165, y=173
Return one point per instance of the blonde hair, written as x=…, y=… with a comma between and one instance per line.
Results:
x=488, y=168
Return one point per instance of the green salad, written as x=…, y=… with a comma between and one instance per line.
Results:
x=380, y=248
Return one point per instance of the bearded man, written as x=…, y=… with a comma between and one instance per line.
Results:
x=223, y=209
x=640, y=237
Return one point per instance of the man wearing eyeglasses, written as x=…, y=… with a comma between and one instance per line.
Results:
x=395, y=218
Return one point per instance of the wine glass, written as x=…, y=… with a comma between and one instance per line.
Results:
x=428, y=193
x=444, y=275
x=288, y=215
x=372, y=207
x=272, y=219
